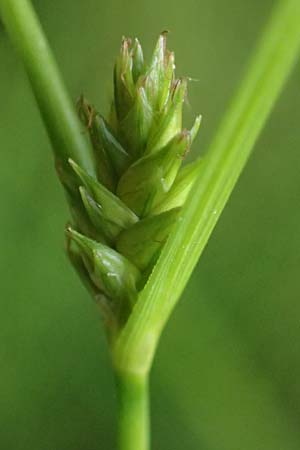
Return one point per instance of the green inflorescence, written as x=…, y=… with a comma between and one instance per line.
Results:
x=122, y=219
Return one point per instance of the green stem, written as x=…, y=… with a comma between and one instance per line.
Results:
x=133, y=411
x=52, y=97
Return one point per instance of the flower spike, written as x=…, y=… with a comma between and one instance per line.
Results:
x=122, y=217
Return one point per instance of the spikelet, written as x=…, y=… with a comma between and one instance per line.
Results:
x=121, y=220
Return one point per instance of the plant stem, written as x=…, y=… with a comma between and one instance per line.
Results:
x=133, y=411
x=57, y=110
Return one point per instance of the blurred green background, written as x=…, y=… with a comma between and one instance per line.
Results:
x=227, y=372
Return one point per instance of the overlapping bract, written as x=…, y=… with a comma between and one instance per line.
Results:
x=122, y=219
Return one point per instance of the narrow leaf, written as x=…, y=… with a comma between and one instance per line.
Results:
x=272, y=63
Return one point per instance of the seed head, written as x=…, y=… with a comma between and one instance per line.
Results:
x=121, y=220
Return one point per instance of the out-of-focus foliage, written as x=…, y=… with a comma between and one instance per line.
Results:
x=226, y=375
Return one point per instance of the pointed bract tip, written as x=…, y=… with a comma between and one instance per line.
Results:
x=84, y=243
x=171, y=58
x=195, y=127
x=179, y=89
x=163, y=38
x=77, y=169
x=136, y=46
x=126, y=43
x=184, y=143
x=73, y=164
x=83, y=192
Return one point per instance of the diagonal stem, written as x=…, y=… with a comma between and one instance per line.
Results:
x=269, y=68
x=52, y=97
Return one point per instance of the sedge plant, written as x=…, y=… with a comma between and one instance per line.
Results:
x=140, y=218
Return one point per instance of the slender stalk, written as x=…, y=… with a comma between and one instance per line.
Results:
x=133, y=411
x=269, y=68
x=52, y=97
